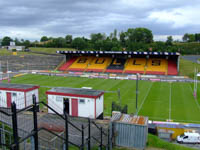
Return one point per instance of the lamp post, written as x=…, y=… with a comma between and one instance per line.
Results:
x=137, y=93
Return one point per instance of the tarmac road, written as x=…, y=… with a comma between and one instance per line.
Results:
x=192, y=58
x=195, y=146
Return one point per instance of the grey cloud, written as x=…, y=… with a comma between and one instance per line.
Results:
x=78, y=17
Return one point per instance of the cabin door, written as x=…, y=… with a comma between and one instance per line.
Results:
x=8, y=96
x=74, y=108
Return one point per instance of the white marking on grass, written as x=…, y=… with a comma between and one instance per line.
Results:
x=170, y=103
x=174, y=120
x=144, y=98
x=194, y=98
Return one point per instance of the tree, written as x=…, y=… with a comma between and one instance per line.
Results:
x=95, y=37
x=43, y=39
x=79, y=43
x=27, y=43
x=6, y=41
x=143, y=35
x=185, y=37
x=130, y=34
x=98, y=45
x=159, y=46
x=197, y=37
x=17, y=42
x=107, y=45
x=59, y=42
x=191, y=38
x=188, y=37
x=169, y=41
x=122, y=38
x=68, y=39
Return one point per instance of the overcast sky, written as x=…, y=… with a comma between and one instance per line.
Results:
x=31, y=19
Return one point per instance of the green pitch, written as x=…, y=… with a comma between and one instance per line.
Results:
x=157, y=100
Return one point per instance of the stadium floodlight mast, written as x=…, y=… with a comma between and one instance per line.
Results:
x=8, y=72
x=195, y=82
x=1, y=73
x=137, y=75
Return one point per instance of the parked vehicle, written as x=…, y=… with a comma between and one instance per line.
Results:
x=189, y=137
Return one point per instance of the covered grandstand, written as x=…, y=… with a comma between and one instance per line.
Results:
x=123, y=62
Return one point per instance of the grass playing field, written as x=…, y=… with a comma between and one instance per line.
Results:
x=158, y=100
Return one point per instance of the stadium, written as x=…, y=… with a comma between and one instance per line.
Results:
x=155, y=63
x=147, y=83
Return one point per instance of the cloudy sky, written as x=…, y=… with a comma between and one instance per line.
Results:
x=31, y=19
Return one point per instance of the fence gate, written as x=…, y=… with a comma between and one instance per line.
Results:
x=30, y=130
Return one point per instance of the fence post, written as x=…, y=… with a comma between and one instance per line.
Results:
x=108, y=138
x=66, y=126
x=101, y=138
x=14, y=125
x=35, y=123
x=89, y=134
x=82, y=145
x=3, y=136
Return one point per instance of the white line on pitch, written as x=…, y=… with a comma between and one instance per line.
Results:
x=194, y=98
x=170, y=99
x=145, y=98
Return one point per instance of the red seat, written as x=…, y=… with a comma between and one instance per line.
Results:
x=94, y=70
x=155, y=72
x=134, y=72
x=172, y=68
x=114, y=71
x=66, y=65
x=76, y=69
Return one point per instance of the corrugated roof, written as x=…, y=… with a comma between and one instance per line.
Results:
x=16, y=86
x=126, y=118
x=119, y=52
x=78, y=91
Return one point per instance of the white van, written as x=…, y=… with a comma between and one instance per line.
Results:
x=189, y=137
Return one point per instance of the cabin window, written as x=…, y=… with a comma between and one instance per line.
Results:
x=14, y=94
x=81, y=101
x=185, y=137
x=58, y=98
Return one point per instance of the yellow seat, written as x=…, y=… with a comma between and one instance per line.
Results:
x=81, y=63
x=156, y=66
x=99, y=64
x=135, y=65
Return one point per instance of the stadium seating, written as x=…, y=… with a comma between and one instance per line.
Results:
x=30, y=62
x=172, y=68
x=66, y=65
x=156, y=66
x=116, y=66
x=135, y=65
x=99, y=64
x=104, y=64
x=81, y=63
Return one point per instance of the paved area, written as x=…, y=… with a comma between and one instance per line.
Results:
x=57, y=125
x=195, y=146
x=192, y=58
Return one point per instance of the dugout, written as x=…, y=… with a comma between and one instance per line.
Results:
x=21, y=94
x=81, y=102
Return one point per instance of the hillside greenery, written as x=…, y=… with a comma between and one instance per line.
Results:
x=134, y=39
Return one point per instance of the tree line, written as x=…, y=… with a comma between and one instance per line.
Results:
x=134, y=39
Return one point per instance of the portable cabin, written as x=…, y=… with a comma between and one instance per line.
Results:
x=21, y=94
x=132, y=130
x=80, y=102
